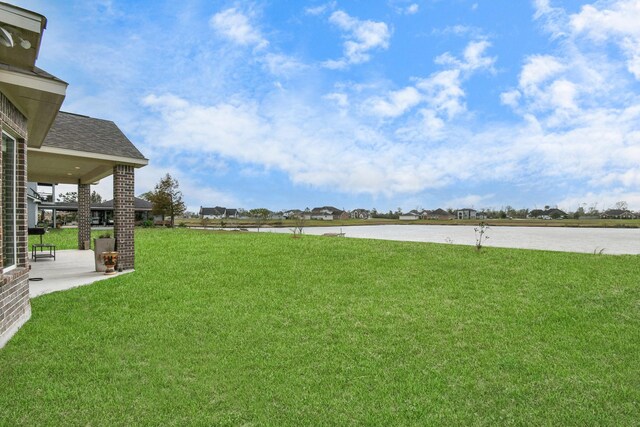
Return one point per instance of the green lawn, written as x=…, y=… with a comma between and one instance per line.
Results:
x=262, y=329
x=66, y=238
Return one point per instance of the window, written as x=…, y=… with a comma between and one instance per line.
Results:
x=9, y=248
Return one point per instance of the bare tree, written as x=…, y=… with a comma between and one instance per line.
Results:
x=480, y=231
x=298, y=226
x=622, y=205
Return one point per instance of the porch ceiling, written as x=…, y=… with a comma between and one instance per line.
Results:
x=62, y=166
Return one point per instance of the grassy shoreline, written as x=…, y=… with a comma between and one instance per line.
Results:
x=264, y=329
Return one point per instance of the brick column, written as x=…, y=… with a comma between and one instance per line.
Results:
x=2, y=126
x=84, y=215
x=124, y=215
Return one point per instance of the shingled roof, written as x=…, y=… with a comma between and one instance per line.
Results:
x=138, y=204
x=83, y=133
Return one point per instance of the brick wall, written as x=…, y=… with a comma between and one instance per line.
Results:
x=12, y=118
x=15, y=308
x=124, y=215
x=84, y=216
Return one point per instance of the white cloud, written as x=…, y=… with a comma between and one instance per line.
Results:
x=345, y=156
x=236, y=26
x=583, y=77
x=356, y=156
x=554, y=19
x=617, y=22
x=542, y=7
x=511, y=98
x=470, y=201
x=412, y=9
x=396, y=104
x=320, y=9
x=341, y=99
x=361, y=38
x=474, y=56
x=442, y=91
x=460, y=30
x=427, y=127
x=537, y=70
x=563, y=93
x=282, y=65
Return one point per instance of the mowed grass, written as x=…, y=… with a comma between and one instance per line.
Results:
x=66, y=238
x=263, y=329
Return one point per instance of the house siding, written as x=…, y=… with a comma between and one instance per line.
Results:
x=15, y=308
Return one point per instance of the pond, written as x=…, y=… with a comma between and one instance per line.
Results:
x=588, y=240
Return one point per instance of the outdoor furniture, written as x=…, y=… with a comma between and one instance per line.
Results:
x=41, y=250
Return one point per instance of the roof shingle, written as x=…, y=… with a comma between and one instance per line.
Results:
x=83, y=133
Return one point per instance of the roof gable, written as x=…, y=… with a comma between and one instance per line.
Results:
x=82, y=133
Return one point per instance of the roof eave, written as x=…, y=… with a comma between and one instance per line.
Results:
x=38, y=98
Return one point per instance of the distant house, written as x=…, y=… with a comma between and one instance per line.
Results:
x=103, y=212
x=276, y=215
x=360, y=214
x=410, y=216
x=339, y=214
x=547, y=213
x=555, y=213
x=320, y=214
x=481, y=215
x=326, y=213
x=438, y=214
x=618, y=214
x=212, y=213
x=218, y=212
x=536, y=213
x=292, y=213
x=466, y=213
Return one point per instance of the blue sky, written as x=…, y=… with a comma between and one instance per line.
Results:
x=362, y=104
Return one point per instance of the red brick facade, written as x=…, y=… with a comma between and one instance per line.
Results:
x=15, y=308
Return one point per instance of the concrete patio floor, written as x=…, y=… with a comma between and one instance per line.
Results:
x=72, y=268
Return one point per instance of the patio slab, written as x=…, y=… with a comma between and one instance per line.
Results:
x=72, y=268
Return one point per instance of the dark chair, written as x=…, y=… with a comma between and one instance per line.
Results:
x=38, y=250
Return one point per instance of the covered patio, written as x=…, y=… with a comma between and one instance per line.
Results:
x=82, y=150
x=71, y=269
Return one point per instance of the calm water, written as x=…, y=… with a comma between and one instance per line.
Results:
x=611, y=240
